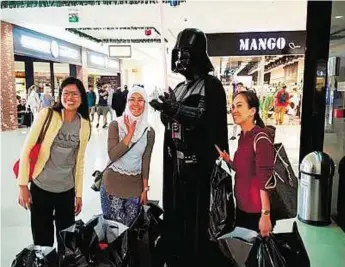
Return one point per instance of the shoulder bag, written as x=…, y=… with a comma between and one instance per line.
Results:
x=99, y=175
x=33, y=156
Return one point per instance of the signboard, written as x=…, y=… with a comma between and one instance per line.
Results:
x=73, y=16
x=120, y=51
x=34, y=44
x=256, y=43
x=101, y=61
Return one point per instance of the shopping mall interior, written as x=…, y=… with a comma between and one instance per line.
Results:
x=259, y=45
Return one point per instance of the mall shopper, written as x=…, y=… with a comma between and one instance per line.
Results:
x=253, y=163
x=55, y=192
x=293, y=106
x=46, y=99
x=241, y=88
x=281, y=104
x=103, y=108
x=130, y=141
x=111, y=92
x=91, y=102
x=33, y=100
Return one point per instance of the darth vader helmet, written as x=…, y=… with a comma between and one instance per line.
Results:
x=190, y=51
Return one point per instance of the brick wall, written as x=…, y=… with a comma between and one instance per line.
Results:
x=8, y=101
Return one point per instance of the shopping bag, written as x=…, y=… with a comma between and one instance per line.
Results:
x=279, y=250
x=237, y=245
x=282, y=186
x=75, y=247
x=222, y=202
x=36, y=256
x=292, y=247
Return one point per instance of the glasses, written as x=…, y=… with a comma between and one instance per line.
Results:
x=72, y=94
x=136, y=101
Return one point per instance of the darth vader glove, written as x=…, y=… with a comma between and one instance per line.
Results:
x=167, y=104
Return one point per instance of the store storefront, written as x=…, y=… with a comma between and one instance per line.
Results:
x=102, y=70
x=42, y=60
x=263, y=62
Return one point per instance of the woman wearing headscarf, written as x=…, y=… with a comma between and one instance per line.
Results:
x=130, y=141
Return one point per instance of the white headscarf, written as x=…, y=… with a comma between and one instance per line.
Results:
x=142, y=120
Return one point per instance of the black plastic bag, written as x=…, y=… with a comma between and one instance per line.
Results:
x=102, y=242
x=75, y=242
x=282, y=187
x=279, y=250
x=266, y=253
x=135, y=247
x=222, y=203
x=36, y=256
x=237, y=245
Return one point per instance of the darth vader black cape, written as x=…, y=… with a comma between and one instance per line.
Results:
x=186, y=187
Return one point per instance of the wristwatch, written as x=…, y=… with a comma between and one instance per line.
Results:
x=265, y=212
x=146, y=189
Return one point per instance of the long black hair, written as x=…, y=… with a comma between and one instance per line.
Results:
x=253, y=102
x=83, y=109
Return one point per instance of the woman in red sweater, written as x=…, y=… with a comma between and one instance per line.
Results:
x=253, y=163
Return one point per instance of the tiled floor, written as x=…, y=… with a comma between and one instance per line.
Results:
x=326, y=245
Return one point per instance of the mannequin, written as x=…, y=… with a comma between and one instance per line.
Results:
x=194, y=115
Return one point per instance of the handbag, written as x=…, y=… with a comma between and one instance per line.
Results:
x=33, y=156
x=282, y=186
x=99, y=175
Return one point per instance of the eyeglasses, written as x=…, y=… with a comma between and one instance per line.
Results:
x=73, y=94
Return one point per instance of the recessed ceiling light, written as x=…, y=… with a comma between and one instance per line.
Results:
x=339, y=17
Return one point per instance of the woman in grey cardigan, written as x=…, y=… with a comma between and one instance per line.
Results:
x=125, y=184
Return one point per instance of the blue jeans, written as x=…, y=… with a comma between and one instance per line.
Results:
x=119, y=209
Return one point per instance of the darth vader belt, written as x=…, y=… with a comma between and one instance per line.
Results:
x=186, y=157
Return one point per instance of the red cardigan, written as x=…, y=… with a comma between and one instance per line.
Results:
x=253, y=169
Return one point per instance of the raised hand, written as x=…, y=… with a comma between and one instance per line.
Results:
x=167, y=102
x=130, y=126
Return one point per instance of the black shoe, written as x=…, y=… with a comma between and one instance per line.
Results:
x=97, y=125
x=105, y=126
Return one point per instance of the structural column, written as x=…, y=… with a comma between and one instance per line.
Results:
x=82, y=73
x=314, y=88
x=8, y=101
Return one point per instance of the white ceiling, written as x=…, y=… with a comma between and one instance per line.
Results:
x=209, y=16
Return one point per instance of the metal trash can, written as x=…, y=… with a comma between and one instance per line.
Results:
x=315, y=190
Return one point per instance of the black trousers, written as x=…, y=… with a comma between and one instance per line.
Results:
x=47, y=207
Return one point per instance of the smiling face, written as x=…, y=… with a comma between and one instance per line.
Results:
x=241, y=112
x=71, y=97
x=136, y=104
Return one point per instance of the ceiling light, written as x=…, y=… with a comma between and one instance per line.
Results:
x=339, y=17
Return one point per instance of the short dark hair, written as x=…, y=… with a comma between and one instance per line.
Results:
x=284, y=87
x=240, y=84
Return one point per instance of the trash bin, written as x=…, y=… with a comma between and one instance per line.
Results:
x=315, y=190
